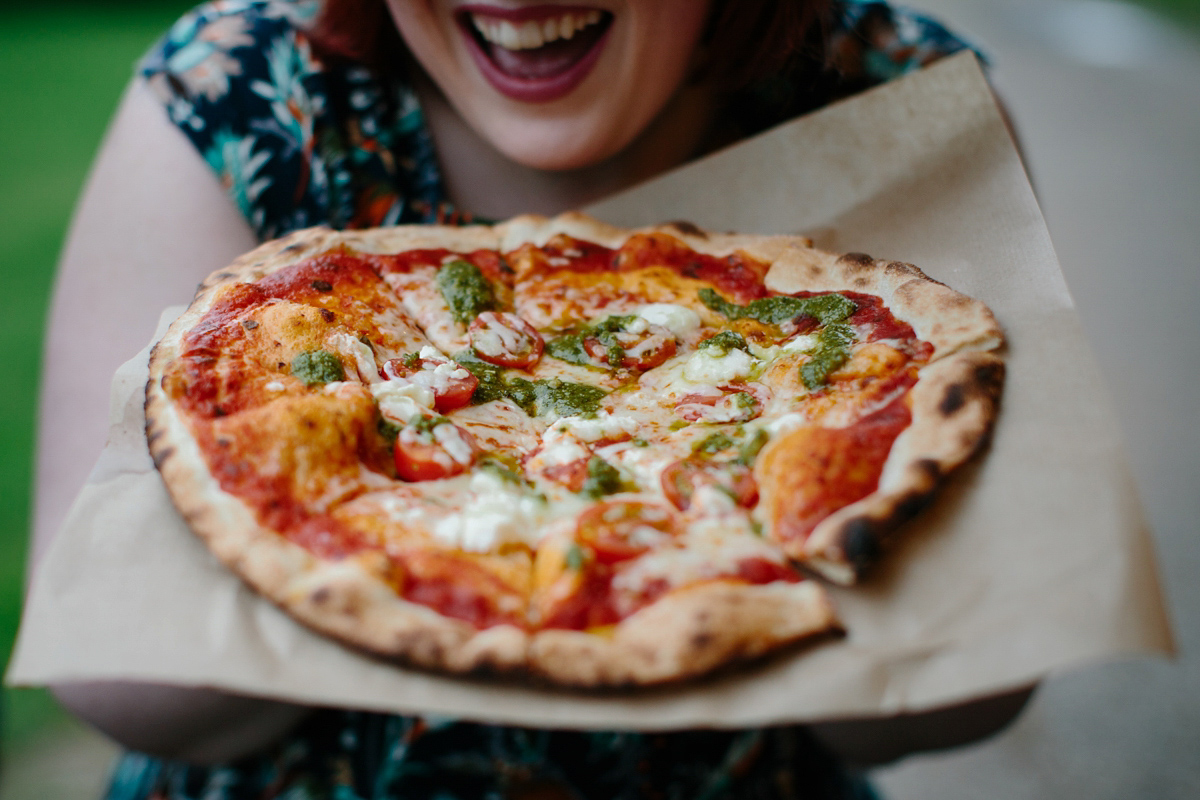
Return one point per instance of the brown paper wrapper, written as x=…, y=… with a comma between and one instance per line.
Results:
x=1034, y=558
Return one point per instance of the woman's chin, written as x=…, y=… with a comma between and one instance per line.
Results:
x=554, y=150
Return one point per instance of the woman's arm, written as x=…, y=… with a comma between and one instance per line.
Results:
x=868, y=742
x=153, y=221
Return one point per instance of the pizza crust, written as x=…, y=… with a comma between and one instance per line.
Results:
x=954, y=406
x=687, y=633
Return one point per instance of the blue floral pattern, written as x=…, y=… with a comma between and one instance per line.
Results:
x=297, y=142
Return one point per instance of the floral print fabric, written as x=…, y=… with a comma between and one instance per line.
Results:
x=296, y=142
x=347, y=755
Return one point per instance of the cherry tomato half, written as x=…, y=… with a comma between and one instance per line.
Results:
x=505, y=340
x=623, y=529
x=723, y=404
x=681, y=480
x=432, y=453
x=650, y=346
x=452, y=385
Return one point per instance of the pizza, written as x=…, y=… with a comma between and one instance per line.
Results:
x=558, y=449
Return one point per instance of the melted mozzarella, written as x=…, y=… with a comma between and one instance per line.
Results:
x=559, y=447
x=709, y=367
x=679, y=320
x=358, y=353
x=498, y=339
x=804, y=343
x=401, y=400
x=713, y=548
x=440, y=378
x=456, y=446
x=494, y=513
x=596, y=427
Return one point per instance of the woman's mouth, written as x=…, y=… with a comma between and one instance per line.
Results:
x=538, y=53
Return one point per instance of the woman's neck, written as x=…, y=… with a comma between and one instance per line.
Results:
x=481, y=180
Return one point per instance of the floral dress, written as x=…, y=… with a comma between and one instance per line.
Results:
x=297, y=142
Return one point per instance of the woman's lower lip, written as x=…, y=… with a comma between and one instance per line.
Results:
x=533, y=90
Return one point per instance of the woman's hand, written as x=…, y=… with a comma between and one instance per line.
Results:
x=868, y=742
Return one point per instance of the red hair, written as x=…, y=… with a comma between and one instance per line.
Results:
x=746, y=39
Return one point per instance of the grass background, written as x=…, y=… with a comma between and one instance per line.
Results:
x=62, y=68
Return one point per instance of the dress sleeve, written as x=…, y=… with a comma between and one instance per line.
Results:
x=871, y=43
x=239, y=79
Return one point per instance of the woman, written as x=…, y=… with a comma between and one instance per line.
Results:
x=399, y=111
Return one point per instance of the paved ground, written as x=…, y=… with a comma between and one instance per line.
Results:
x=1107, y=101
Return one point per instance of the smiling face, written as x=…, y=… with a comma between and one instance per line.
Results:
x=554, y=85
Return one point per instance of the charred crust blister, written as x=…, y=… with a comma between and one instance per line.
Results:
x=860, y=542
x=990, y=378
x=953, y=400
x=160, y=456
x=861, y=260
x=687, y=228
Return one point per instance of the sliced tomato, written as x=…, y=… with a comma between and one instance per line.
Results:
x=452, y=385
x=505, y=340
x=681, y=480
x=623, y=529
x=650, y=346
x=571, y=475
x=720, y=404
x=760, y=570
x=432, y=453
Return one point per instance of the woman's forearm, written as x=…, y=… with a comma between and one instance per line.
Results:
x=198, y=725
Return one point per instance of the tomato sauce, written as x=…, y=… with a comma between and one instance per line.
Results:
x=591, y=606
x=737, y=275
x=490, y=263
x=458, y=587
x=758, y=571
x=845, y=466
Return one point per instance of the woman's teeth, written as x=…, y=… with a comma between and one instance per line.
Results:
x=529, y=35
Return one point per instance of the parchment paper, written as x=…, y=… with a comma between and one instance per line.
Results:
x=1035, y=558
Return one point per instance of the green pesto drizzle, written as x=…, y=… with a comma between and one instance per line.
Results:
x=569, y=347
x=748, y=451
x=388, y=430
x=465, y=290
x=825, y=308
x=602, y=478
x=427, y=424
x=536, y=398
x=725, y=341
x=502, y=470
x=713, y=443
x=833, y=350
x=831, y=310
x=318, y=366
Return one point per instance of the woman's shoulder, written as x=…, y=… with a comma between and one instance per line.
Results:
x=220, y=59
x=295, y=137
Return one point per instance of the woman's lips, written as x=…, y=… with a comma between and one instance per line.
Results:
x=534, y=54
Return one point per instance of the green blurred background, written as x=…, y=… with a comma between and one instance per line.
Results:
x=62, y=68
